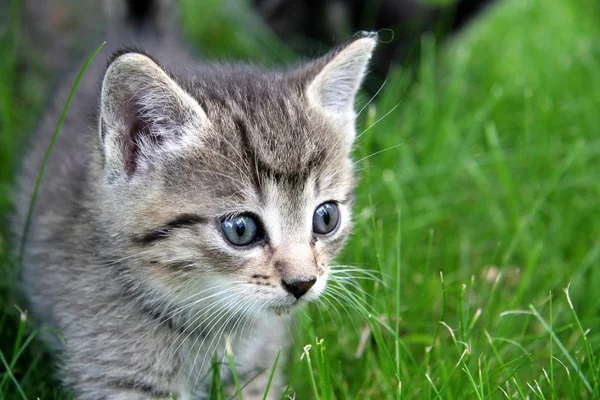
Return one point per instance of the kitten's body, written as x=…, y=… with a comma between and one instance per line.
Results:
x=124, y=256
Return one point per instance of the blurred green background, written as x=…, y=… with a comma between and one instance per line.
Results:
x=478, y=204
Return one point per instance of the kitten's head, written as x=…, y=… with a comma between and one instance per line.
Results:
x=231, y=179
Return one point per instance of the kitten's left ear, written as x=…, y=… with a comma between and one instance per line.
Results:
x=144, y=115
x=337, y=76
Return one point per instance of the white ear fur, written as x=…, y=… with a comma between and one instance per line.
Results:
x=334, y=88
x=143, y=112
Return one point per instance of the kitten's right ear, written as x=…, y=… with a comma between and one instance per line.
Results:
x=144, y=114
x=335, y=78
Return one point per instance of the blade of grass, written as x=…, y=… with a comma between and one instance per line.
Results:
x=588, y=348
x=216, y=386
x=271, y=375
x=398, y=291
x=12, y=377
x=313, y=382
x=472, y=381
x=16, y=356
x=236, y=381
x=437, y=393
x=323, y=370
x=61, y=120
x=551, y=377
x=562, y=348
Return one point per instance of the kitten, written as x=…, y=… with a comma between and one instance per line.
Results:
x=197, y=212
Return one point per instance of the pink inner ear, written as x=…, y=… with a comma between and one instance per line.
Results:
x=137, y=129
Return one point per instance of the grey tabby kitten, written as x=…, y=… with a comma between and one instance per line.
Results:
x=198, y=210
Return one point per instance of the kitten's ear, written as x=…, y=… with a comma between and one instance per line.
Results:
x=339, y=75
x=144, y=113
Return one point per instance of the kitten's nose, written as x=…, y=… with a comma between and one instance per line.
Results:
x=298, y=288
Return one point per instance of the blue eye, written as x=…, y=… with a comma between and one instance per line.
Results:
x=241, y=230
x=325, y=218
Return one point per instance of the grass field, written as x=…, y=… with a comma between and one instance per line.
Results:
x=478, y=215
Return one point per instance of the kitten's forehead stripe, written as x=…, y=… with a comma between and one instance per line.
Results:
x=284, y=152
x=283, y=174
x=249, y=152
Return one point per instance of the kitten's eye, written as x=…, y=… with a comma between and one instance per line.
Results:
x=241, y=230
x=325, y=218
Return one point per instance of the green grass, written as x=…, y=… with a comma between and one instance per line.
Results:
x=478, y=205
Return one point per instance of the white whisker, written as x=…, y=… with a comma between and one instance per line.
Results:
x=378, y=152
x=379, y=120
x=372, y=98
x=351, y=282
x=334, y=298
x=321, y=301
x=168, y=316
x=197, y=315
x=358, y=303
x=216, y=336
x=208, y=321
x=374, y=274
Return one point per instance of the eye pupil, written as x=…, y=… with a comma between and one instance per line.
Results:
x=326, y=217
x=240, y=227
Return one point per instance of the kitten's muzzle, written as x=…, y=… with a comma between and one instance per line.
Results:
x=298, y=288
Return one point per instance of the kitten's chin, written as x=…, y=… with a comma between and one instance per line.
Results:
x=286, y=310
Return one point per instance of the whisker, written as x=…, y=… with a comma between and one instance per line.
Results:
x=172, y=314
x=229, y=299
x=306, y=315
x=253, y=321
x=333, y=298
x=254, y=312
x=344, y=277
x=320, y=304
x=379, y=120
x=358, y=303
x=372, y=98
x=353, y=284
x=354, y=275
x=378, y=152
x=375, y=274
x=217, y=336
x=321, y=301
x=168, y=316
x=190, y=324
x=211, y=322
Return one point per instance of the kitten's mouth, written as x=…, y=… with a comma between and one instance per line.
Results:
x=288, y=304
x=286, y=309
x=279, y=311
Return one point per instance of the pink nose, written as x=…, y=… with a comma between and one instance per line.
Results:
x=298, y=288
